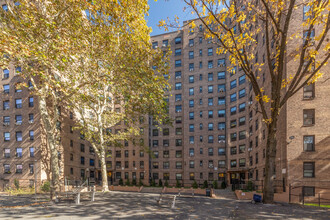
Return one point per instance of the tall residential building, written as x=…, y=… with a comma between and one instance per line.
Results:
x=217, y=132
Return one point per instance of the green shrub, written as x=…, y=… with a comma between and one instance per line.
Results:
x=152, y=183
x=166, y=183
x=178, y=184
x=205, y=184
x=160, y=183
x=194, y=185
x=121, y=183
x=128, y=183
x=215, y=184
x=223, y=185
x=16, y=183
x=45, y=187
x=134, y=182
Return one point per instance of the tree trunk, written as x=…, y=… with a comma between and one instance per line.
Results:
x=105, y=186
x=51, y=143
x=268, y=188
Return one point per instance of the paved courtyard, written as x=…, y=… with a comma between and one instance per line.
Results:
x=120, y=205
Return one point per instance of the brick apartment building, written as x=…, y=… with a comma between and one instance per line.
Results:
x=217, y=133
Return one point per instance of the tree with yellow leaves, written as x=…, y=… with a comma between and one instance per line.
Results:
x=84, y=53
x=242, y=28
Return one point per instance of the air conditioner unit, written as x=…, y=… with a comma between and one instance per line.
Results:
x=6, y=124
x=155, y=47
x=164, y=45
x=18, y=123
x=250, y=119
x=221, y=141
x=249, y=149
x=221, y=90
x=165, y=145
x=30, y=87
x=30, y=121
x=250, y=102
x=191, y=45
x=7, y=107
x=191, y=69
x=191, y=142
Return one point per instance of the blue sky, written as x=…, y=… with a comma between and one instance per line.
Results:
x=163, y=9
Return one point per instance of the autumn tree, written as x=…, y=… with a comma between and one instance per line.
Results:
x=241, y=27
x=124, y=86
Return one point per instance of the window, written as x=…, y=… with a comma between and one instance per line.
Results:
x=210, y=64
x=233, y=150
x=178, y=108
x=210, y=126
x=154, y=45
x=19, y=168
x=178, y=120
x=5, y=105
x=210, y=77
x=18, y=136
x=178, y=176
x=309, y=191
x=191, y=139
x=221, y=164
x=309, y=169
x=201, y=101
x=191, y=79
x=178, y=75
x=201, y=126
x=191, y=103
x=191, y=91
x=165, y=43
x=233, y=84
x=210, y=114
x=242, y=162
x=241, y=149
x=233, y=97
x=200, y=40
x=191, y=42
x=221, y=63
x=309, y=143
x=155, y=165
x=221, y=88
x=166, y=143
x=166, y=165
x=233, y=110
x=309, y=91
x=242, y=135
x=221, y=100
x=191, y=67
x=141, y=175
x=18, y=103
x=142, y=164
x=242, y=93
x=210, y=101
x=31, y=168
x=31, y=134
x=6, y=120
x=178, y=86
x=241, y=121
x=210, y=139
x=5, y=73
x=311, y=37
x=233, y=136
x=178, y=142
x=178, y=165
x=201, y=114
x=166, y=154
x=191, y=152
x=221, y=126
x=242, y=107
x=6, y=168
x=210, y=51
x=155, y=143
x=221, y=113
x=177, y=63
x=19, y=152
x=233, y=163
x=191, y=54
x=306, y=13
x=31, y=102
x=191, y=128
x=6, y=88
x=233, y=123
x=309, y=117
x=241, y=80
x=177, y=40
x=178, y=154
x=6, y=136
x=18, y=119
x=7, y=153
x=191, y=115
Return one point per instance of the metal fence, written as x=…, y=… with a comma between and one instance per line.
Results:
x=255, y=185
x=309, y=195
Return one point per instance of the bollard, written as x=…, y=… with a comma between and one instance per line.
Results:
x=173, y=203
x=93, y=196
x=78, y=199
